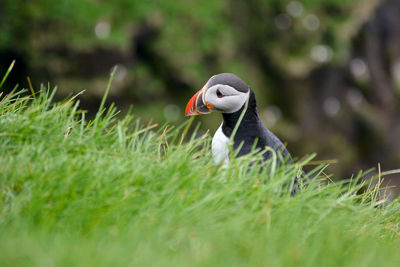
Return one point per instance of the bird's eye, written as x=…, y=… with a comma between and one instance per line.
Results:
x=219, y=94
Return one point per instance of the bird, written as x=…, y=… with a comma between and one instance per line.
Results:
x=227, y=93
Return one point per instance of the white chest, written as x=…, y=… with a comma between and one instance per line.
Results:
x=220, y=146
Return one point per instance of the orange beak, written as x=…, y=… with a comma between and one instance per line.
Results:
x=197, y=104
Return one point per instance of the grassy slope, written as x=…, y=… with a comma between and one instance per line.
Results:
x=112, y=193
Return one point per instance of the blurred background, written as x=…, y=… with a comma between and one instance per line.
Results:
x=326, y=73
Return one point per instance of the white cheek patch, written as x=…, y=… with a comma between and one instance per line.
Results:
x=232, y=104
x=231, y=101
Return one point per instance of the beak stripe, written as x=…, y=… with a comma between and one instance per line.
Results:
x=209, y=106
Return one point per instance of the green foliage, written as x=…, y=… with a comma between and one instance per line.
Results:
x=110, y=192
x=209, y=25
x=196, y=38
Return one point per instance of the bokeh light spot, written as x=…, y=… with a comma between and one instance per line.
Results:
x=283, y=22
x=102, y=29
x=331, y=106
x=321, y=53
x=354, y=97
x=311, y=22
x=358, y=67
x=172, y=112
x=396, y=71
x=295, y=8
x=121, y=72
x=271, y=115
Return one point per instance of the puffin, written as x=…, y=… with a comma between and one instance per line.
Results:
x=227, y=93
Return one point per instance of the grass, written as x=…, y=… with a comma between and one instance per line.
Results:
x=112, y=192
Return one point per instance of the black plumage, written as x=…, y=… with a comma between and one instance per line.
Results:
x=251, y=130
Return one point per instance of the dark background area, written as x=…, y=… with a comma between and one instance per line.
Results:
x=326, y=73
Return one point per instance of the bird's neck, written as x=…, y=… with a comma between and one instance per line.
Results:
x=249, y=121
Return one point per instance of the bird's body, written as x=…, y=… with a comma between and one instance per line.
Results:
x=228, y=94
x=250, y=132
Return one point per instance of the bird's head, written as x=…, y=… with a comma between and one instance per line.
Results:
x=223, y=92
